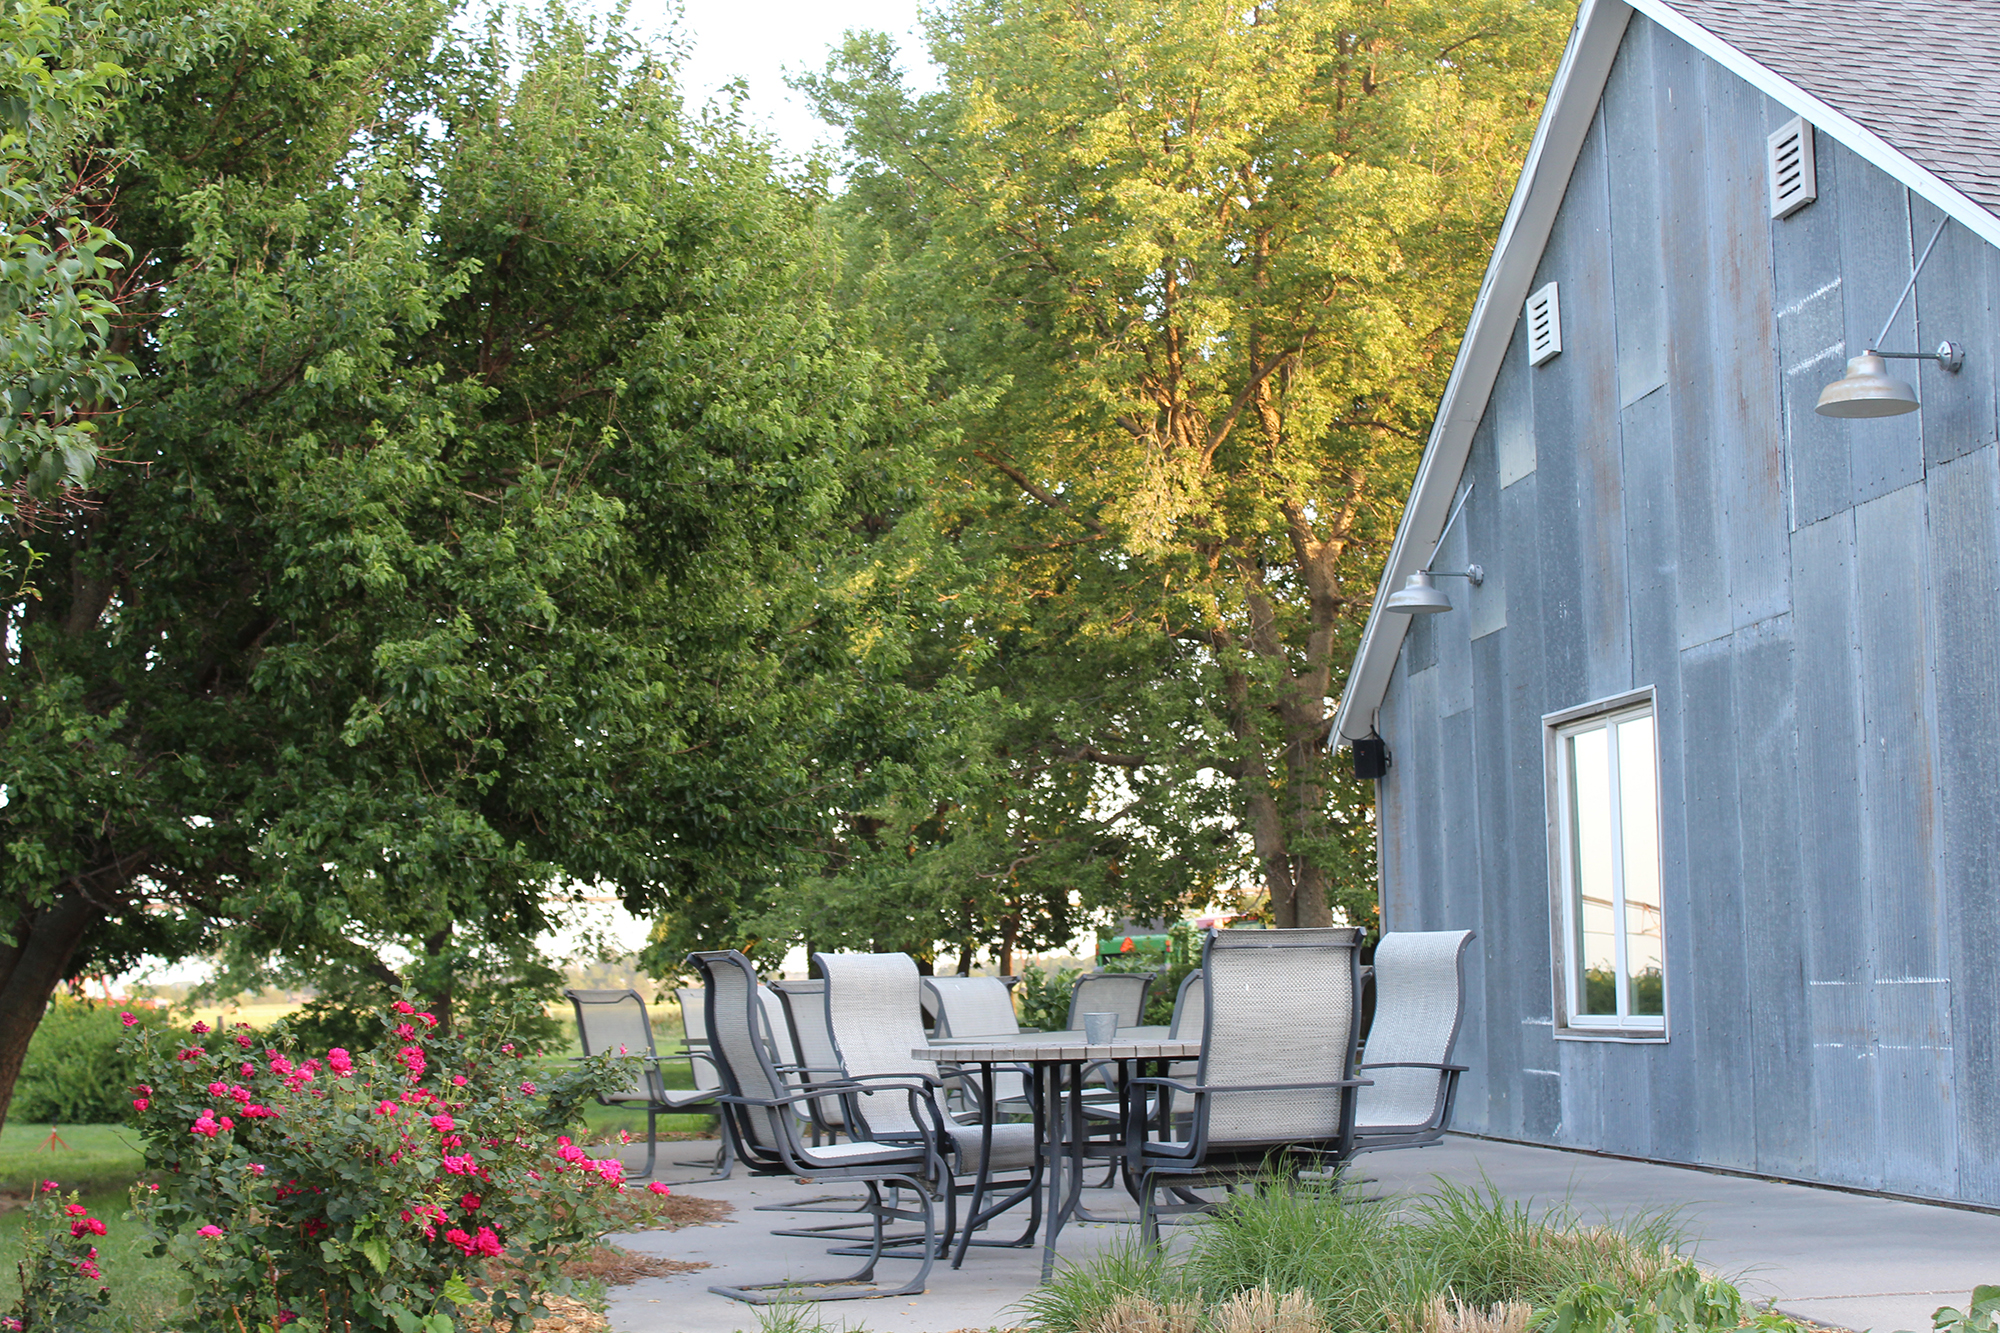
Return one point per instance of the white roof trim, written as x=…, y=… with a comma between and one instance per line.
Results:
x=1566, y=118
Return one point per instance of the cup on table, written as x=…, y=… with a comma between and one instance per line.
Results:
x=1099, y=1028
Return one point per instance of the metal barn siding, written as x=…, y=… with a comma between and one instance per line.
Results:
x=1816, y=605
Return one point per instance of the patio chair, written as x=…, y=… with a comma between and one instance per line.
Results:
x=1419, y=1004
x=805, y=1019
x=874, y=1027
x=616, y=1020
x=762, y=1110
x=1276, y=1076
x=980, y=1007
x=1120, y=993
x=1190, y=1013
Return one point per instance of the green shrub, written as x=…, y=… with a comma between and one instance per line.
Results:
x=74, y=1072
x=1981, y=1314
x=62, y=1290
x=1043, y=998
x=419, y=1184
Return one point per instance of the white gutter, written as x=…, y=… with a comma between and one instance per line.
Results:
x=1566, y=118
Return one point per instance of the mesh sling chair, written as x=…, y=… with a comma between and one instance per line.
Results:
x=1120, y=993
x=980, y=1007
x=873, y=1019
x=805, y=1016
x=1276, y=1075
x=762, y=1110
x=616, y=1020
x=1419, y=1004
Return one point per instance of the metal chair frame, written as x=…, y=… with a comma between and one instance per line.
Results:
x=1387, y=1031
x=1027, y=1189
x=766, y=1129
x=1203, y=1159
x=650, y=1086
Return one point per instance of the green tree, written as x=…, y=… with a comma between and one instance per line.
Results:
x=61, y=362
x=513, y=510
x=1209, y=262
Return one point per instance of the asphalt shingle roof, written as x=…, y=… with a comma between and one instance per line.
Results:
x=1923, y=74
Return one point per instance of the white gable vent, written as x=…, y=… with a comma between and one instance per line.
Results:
x=1790, y=156
x=1545, y=325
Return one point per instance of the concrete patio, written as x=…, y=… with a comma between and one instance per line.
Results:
x=1847, y=1260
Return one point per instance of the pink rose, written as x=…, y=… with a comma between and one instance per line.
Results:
x=130, y=1020
x=404, y=1007
x=209, y=1230
x=256, y=1168
x=340, y=1062
x=657, y=1188
x=458, y=1080
x=527, y=1089
x=140, y=1103
x=443, y=1124
x=200, y=1029
x=487, y=1242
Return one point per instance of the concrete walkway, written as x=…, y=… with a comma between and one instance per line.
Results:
x=1841, y=1259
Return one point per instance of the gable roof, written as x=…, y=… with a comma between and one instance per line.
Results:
x=1913, y=88
x=1925, y=77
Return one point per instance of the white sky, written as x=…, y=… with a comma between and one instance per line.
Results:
x=760, y=41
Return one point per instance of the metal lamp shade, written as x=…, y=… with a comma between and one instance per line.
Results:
x=1866, y=390
x=1419, y=597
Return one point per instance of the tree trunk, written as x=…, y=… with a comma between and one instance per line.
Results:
x=30, y=970
x=442, y=988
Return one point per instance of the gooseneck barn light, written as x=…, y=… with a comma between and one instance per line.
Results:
x=1420, y=595
x=1867, y=389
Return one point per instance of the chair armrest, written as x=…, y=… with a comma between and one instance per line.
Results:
x=874, y=1083
x=1414, y=1064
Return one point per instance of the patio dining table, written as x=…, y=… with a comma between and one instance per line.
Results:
x=1057, y=1061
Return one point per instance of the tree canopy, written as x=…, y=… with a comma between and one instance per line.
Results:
x=502, y=505
x=1205, y=265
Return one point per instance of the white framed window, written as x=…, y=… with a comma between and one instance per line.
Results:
x=1604, y=868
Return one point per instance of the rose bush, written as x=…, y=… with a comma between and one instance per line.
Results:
x=62, y=1290
x=424, y=1185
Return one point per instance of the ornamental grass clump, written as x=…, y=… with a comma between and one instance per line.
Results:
x=425, y=1186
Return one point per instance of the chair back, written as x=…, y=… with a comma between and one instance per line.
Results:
x=979, y=1007
x=615, y=1021
x=1120, y=993
x=740, y=1044
x=972, y=1006
x=1419, y=1005
x=873, y=1015
x=805, y=1015
x=777, y=1028
x=1279, y=1010
x=1190, y=1006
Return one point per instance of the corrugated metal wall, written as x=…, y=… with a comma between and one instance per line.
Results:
x=1817, y=605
